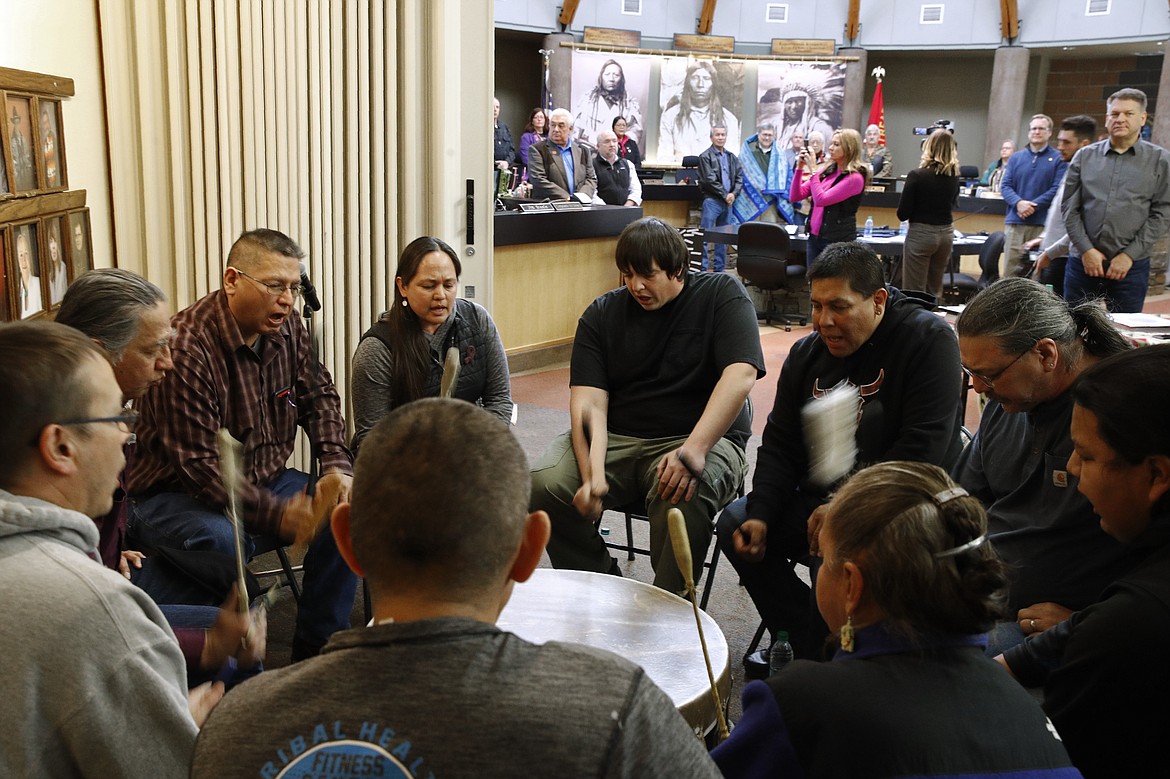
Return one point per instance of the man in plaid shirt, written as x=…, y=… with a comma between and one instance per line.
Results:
x=242, y=361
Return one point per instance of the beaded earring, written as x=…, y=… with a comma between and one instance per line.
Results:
x=847, y=635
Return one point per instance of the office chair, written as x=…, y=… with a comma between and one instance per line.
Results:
x=961, y=287
x=765, y=261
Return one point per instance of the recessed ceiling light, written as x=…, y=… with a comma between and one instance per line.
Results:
x=1067, y=48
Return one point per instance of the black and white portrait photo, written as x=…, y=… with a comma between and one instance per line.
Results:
x=696, y=94
x=800, y=97
x=606, y=86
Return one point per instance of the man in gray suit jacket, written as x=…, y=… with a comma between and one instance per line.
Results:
x=554, y=163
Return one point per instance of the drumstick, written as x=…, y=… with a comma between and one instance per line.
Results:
x=830, y=430
x=231, y=470
x=681, y=542
x=450, y=373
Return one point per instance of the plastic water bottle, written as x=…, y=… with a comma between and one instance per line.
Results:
x=780, y=655
x=869, y=227
x=904, y=227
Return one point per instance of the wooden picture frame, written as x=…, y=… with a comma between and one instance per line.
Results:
x=5, y=301
x=51, y=145
x=80, y=244
x=55, y=268
x=5, y=174
x=24, y=270
x=22, y=143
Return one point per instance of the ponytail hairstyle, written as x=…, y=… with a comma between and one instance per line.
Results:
x=1019, y=312
x=921, y=545
x=410, y=354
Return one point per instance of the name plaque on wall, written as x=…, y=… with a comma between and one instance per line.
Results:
x=804, y=47
x=606, y=36
x=721, y=43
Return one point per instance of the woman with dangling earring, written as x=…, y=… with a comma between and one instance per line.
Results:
x=910, y=586
x=402, y=356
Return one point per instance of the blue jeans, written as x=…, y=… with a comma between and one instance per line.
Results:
x=715, y=214
x=813, y=248
x=178, y=521
x=1124, y=296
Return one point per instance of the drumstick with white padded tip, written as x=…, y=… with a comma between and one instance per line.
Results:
x=450, y=373
x=681, y=542
x=231, y=471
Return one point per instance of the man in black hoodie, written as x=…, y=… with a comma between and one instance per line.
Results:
x=904, y=361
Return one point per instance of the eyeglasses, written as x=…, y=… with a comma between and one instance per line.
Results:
x=991, y=380
x=275, y=289
x=126, y=422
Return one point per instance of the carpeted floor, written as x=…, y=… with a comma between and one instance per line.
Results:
x=543, y=398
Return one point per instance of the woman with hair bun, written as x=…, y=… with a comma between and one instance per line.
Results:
x=910, y=586
x=1104, y=668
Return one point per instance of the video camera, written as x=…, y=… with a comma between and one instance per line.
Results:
x=941, y=124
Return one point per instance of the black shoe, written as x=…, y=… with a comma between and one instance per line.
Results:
x=755, y=665
x=614, y=570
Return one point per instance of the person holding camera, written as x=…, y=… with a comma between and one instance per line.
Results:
x=835, y=189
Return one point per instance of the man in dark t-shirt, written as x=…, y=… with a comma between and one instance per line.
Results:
x=660, y=373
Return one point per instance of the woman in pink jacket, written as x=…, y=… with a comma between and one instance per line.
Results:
x=835, y=189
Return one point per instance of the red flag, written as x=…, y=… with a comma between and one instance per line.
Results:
x=877, y=113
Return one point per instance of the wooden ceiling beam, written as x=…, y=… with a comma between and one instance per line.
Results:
x=1009, y=18
x=707, y=16
x=853, y=21
x=568, y=11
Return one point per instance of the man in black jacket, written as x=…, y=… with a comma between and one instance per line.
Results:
x=720, y=179
x=904, y=362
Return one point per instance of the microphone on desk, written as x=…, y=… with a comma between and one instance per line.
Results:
x=308, y=290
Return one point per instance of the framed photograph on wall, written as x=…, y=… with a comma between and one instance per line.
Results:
x=22, y=142
x=51, y=143
x=54, y=269
x=80, y=243
x=24, y=271
x=5, y=190
x=5, y=303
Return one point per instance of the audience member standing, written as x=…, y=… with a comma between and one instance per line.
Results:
x=1029, y=186
x=765, y=180
x=875, y=154
x=627, y=146
x=534, y=132
x=1076, y=132
x=1116, y=205
x=720, y=180
x=993, y=176
x=559, y=168
x=505, y=149
x=835, y=190
x=930, y=192
x=617, y=181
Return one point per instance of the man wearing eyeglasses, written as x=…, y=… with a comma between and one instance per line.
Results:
x=1029, y=185
x=242, y=361
x=93, y=683
x=1023, y=347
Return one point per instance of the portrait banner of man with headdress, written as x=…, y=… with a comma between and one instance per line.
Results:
x=606, y=86
x=800, y=97
x=696, y=94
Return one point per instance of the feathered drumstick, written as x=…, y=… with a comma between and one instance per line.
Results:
x=680, y=541
x=830, y=430
x=231, y=470
x=450, y=373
